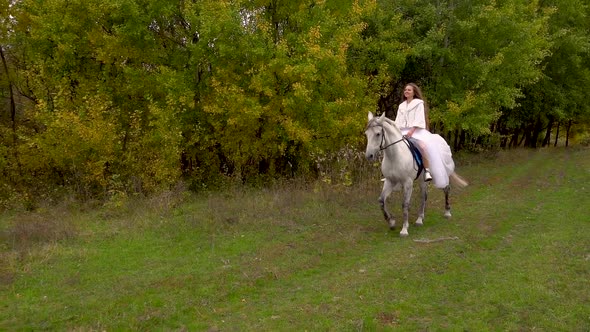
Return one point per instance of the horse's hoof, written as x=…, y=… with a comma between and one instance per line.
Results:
x=391, y=224
x=419, y=222
x=403, y=234
x=447, y=214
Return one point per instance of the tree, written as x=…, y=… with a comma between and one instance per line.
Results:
x=89, y=65
x=280, y=87
x=129, y=94
x=559, y=97
x=9, y=157
x=135, y=95
x=472, y=58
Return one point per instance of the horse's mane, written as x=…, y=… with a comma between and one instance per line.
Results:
x=391, y=123
x=383, y=119
x=388, y=120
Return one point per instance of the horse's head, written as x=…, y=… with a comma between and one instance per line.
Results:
x=374, y=132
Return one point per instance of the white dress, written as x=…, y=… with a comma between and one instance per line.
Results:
x=438, y=152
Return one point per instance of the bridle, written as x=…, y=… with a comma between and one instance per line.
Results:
x=381, y=147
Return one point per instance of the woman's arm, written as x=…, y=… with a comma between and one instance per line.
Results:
x=418, y=119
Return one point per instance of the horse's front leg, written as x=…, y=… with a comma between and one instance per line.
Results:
x=447, y=214
x=407, y=190
x=385, y=192
x=423, y=198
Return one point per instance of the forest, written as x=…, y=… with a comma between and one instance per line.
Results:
x=121, y=97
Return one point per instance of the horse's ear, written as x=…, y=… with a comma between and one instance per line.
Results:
x=370, y=116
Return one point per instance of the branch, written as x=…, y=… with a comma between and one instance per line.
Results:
x=436, y=240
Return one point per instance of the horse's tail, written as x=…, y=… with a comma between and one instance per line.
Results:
x=458, y=181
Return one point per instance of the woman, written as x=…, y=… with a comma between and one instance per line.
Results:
x=412, y=120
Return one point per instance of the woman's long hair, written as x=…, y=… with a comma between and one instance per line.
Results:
x=418, y=95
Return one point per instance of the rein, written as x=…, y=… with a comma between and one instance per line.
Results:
x=381, y=147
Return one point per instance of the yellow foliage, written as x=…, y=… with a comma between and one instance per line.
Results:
x=296, y=131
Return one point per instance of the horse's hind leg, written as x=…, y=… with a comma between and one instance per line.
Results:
x=447, y=214
x=423, y=198
x=385, y=192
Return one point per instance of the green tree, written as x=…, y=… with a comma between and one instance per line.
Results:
x=559, y=97
x=135, y=95
x=10, y=165
x=280, y=85
x=472, y=58
x=89, y=65
x=381, y=53
x=128, y=94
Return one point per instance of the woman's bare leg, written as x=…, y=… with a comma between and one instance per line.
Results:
x=425, y=162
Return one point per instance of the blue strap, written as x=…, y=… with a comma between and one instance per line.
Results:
x=413, y=145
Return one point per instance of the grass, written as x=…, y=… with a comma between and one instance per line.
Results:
x=314, y=257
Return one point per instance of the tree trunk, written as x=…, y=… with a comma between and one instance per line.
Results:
x=462, y=140
x=567, y=133
x=514, y=140
x=12, y=108
x=450, y=135
x=547, y=139
x=536, y=132
x=556, y=135
x=525, y=137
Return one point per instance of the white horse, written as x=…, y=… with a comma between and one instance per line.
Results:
x=399, y=169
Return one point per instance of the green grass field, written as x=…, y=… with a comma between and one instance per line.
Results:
x=514, y=257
